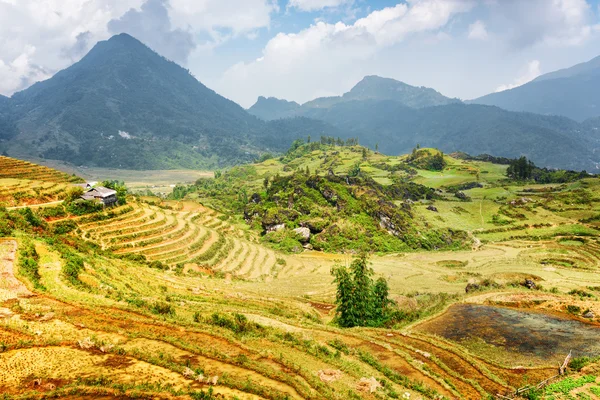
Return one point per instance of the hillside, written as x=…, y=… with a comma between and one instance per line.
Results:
x=569, y=92
x=174, y=300
x=344, y=197
x=125, y=106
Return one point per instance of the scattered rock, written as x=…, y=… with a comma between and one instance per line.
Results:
x=308, y=246
x=329, y=375
x=529, y=284
x=590, y=314
x=472, y=287
x=275, y=228
x=368, y=385
x=5, y=312
x=423, y=353
x=461, y=196
x=189, y=373
x=86, y=343
x=255, y=198
x=304, y=233
x=432, y=208
x=47, y=317
x=105, y=348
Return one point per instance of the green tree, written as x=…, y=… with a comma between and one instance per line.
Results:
x=119, y=187
x=520, y=169
x=360, y=301
x=381, y=301
x=354, y=170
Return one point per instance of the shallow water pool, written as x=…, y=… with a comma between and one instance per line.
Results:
x=488, y=329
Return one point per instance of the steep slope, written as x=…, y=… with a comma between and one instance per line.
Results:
x=7, y=126
x=369, y=88
x=124, y=105
x=570, y=92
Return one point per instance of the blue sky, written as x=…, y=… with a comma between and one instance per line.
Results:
x=302, y=49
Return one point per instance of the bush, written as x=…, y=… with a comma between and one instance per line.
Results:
x=238, y=324
x=63, y=227
x=28, y=263
x=578, y=363
x=162, y=308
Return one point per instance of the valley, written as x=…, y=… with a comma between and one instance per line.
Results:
x=385, y=241
x=179, y=297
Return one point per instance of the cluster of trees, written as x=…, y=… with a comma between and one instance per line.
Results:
x=522, y=169
x=119, y=187
x=424, y=159
x=329, y=140
x=360, y=300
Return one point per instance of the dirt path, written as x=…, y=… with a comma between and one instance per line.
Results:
x=50, y=204
x=10, y=286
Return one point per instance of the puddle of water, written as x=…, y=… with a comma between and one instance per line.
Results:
x=529, y=334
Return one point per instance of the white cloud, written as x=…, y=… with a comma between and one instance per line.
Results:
x=315, y=58
x=547, y=22
x=237, y=16
x=531, y=71
x=316, y=5
x=40, y=37
x=477, y=31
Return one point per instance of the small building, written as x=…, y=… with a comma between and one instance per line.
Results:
x=107, y=196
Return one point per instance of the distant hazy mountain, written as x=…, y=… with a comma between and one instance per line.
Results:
x=475, y=129
x=370, y=88
x=377, y=88
x=265, y=108
x=371, y=111
x=123, y=105
x=7, y=126
x=572, y=92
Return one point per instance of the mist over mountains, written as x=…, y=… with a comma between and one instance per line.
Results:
x=125, y=106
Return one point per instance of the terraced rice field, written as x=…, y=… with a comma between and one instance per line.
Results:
x=23, y=183
x=109, y=330
x=196, y=237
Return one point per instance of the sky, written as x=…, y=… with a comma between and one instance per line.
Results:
x=302, y=49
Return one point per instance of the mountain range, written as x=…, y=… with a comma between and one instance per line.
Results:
x=395, y=117
x=571, y=92
x=125, y=106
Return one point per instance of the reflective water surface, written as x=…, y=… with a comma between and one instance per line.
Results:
x=543, y=336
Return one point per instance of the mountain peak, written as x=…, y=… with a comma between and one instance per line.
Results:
x=373, y=87
x=123, y=37
x=266, y=107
